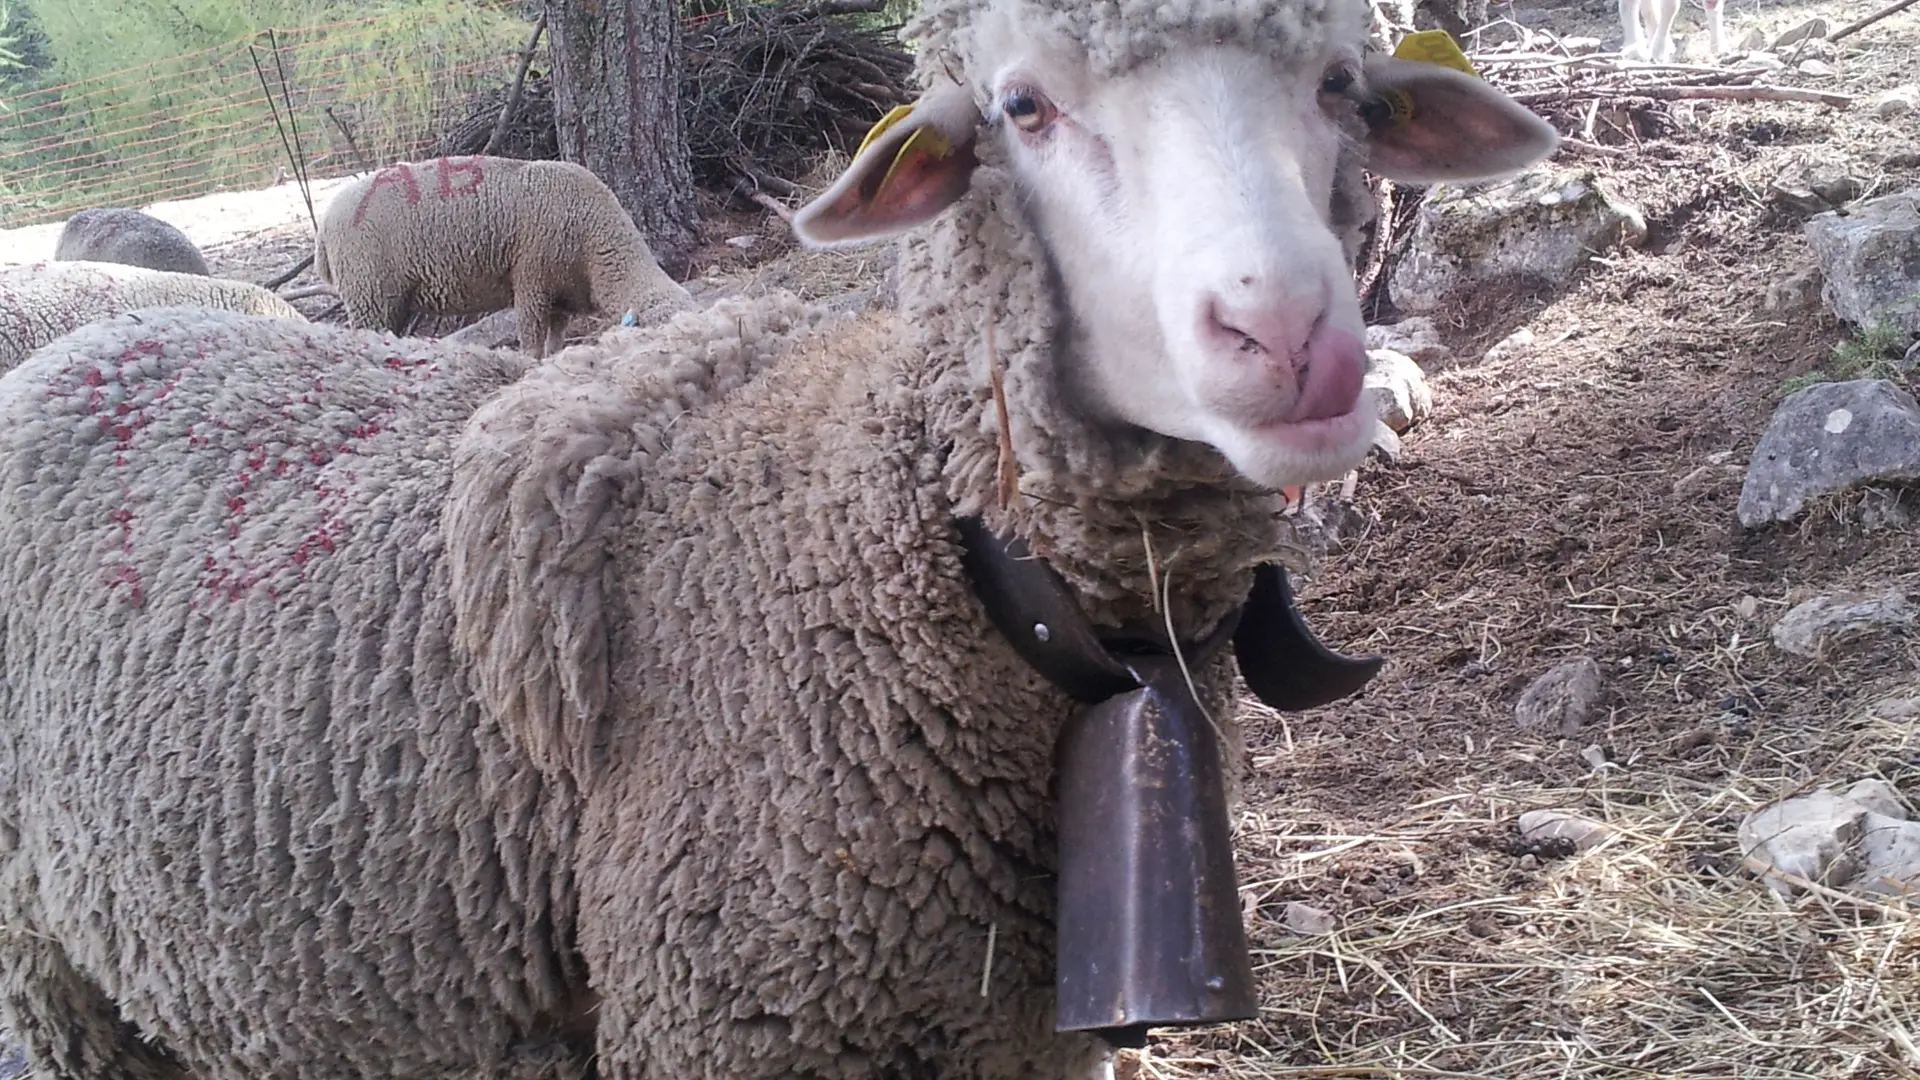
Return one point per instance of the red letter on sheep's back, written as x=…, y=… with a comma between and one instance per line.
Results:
x=396, y=174
x=448, y=167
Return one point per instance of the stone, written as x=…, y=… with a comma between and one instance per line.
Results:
x=1416, y=337
x=1753, y=41
x=1889, y=856
x=1898, y=101
x=1534, y=230
x=1812, y=628
x=1910, y=361
x=1307, y=920
x=500, y=330
x=1399, y=388
x=1871, y=258
x=1815, y=187
x=1878, y=796
x=1812, y=28
x=1794, y=292
x=1898, y=707
x=1582, y=832
x=1860, y=841
x=1816, y=68
x=1826, y=438
x=1563, y=699
x=745, y=241
x=1808, y=836
x=1517, y=344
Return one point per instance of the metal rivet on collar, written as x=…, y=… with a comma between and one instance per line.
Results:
x=1040, y=631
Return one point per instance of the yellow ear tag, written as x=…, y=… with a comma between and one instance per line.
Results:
x=1434, y=47
x=894, y=116
x=1400, y=104
x=927, y=139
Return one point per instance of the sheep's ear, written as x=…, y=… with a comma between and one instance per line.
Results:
x=914, y=163
x=1427, y=122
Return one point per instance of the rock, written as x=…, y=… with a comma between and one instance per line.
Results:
x=1816, y=68
x=1871, y=258
x=1897, y=102
x=744, y=242
x=1563, y=699
x=1754, y=40
x=499, y=330
x=1582, y=832
x=1307, y=920
x=1825, y=438
x=1878, y=796
x=1835, y=840
x=1898, y=707
x=1816, y=187
x=13, y=1058
x=1794, y=292
x=1516, y=344
x=1889, y=856
x=1812, y=28
x=1910, y=362
x=1809, y=836
x=1416, y=337
x=1824, y=622
x=1399, y=387
x=1535, y=229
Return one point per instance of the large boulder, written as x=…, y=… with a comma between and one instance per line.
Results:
x=1871, y=260
x=1534, y=230
x=1826, y=438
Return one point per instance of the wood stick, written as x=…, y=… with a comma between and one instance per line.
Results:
x=519, y=84
x=1896, y=6
x=773, y=204
x=289, y=274
x=304, y=291
x=1676, y=93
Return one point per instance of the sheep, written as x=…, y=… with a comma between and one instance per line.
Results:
x=41, y=301
x=1646, y=29
x=118, y=235
x=387, y=707
x=473, y=235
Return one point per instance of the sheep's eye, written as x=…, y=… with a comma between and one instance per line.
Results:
x=1337, y=80
x=1029, y=109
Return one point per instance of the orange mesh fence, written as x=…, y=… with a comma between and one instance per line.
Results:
x=362, y=94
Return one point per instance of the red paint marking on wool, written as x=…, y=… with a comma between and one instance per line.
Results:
x=394, y=174
x=449, y=167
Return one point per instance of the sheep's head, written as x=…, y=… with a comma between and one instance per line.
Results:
x=1180, y=173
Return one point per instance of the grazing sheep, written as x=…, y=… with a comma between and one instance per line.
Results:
x=1646, y=29
x=41, y=301
x=372, y=709
x=117, y=235
x=473, y=235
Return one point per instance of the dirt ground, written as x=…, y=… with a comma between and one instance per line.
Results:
x=1576, y=499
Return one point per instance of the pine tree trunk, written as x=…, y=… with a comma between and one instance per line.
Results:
x=616, y=80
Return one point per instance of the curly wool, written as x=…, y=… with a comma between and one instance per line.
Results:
x=1116, y=35
x=41, y=301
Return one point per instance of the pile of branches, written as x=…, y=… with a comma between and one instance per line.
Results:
x=764, y=89
x=530, y=135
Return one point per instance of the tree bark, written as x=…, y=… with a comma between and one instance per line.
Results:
x=616, y=81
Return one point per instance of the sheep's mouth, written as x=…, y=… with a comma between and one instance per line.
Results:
x=1320, y=435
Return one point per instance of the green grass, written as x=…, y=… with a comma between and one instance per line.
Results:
x=1875, y=353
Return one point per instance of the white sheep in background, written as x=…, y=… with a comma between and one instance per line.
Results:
x=369, y=708
x=473, y=235
x=1646, y=29
x=41, y=301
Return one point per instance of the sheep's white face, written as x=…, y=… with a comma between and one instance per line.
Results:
x=1186, y=206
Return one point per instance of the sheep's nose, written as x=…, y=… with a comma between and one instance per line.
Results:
x=1292, y=342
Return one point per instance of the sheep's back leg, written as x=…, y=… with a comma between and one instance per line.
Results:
x=1633, y=44
x=533, y=316
x=1716, y=27
x=66, y=1022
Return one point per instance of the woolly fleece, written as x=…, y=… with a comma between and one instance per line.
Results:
x=473, y=235
x=653, y=703
x=41, y=301
x=120, y=235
